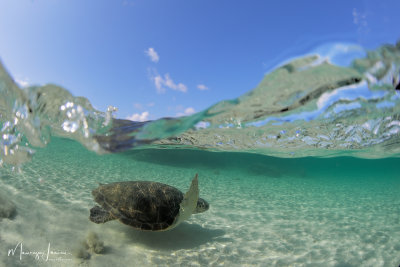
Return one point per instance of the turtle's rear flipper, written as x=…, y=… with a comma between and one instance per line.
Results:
x=100, y=215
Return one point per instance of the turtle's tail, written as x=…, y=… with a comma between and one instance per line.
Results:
x=100, y=215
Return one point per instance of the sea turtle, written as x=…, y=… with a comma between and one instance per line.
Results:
x=146, y=205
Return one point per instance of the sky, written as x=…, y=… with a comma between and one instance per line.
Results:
x=153, y=59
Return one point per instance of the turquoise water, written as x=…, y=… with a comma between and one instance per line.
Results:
x=300, y=171
x=264, y=210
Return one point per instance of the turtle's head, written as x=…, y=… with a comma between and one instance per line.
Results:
x=202, y=206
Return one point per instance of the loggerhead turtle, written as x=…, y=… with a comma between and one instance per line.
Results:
x=146, y=205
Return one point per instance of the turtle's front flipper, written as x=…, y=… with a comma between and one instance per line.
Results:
x=188, y=203
x=100, y=215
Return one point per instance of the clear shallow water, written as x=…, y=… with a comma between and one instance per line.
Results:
x=286, y=168
x=264, y=210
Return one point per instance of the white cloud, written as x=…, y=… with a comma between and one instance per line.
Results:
x=152, y=54
x=137, y=106
x=160, y=82
x=202, y=125
x=188, y=111
x=144, y=116
x=360, y=20
x=170, y=83
x=202, y=87
x=128, y=3
x=140, y=106
x=22, y=82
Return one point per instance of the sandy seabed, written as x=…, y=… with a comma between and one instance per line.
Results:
x=263, y=211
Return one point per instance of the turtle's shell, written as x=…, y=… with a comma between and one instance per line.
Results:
x=141, y=204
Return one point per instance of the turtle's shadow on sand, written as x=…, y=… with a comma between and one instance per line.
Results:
x=184, y=236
